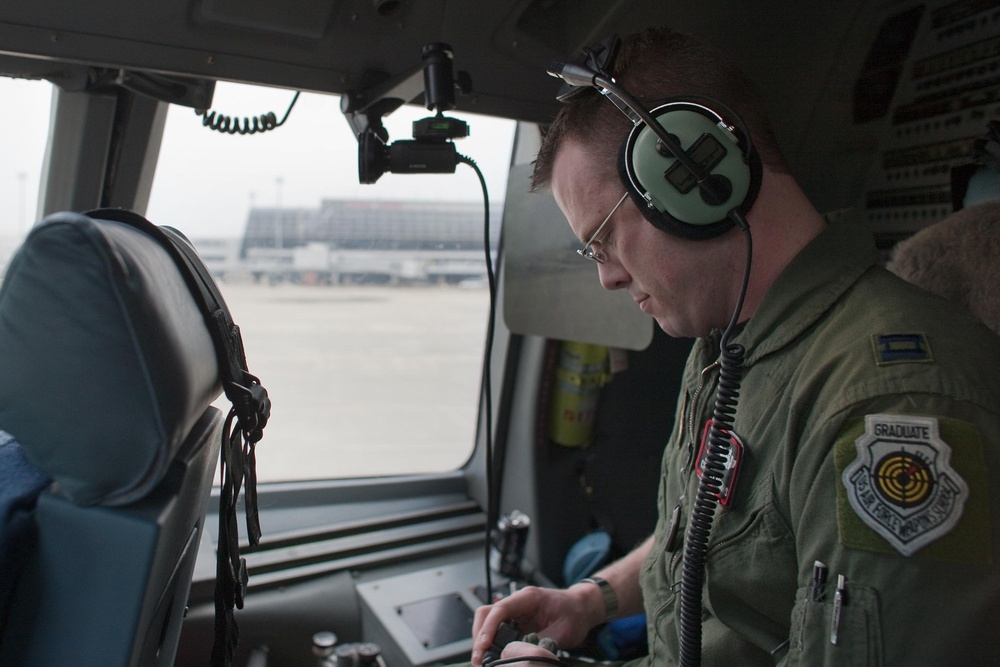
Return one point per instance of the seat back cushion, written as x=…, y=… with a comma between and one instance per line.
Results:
x=105, y=359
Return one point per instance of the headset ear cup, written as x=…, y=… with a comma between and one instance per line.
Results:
x=756, y=175
x=663, y=220
x=720, y=190
x=662, y=189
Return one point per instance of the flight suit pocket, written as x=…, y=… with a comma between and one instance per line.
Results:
x=858, y=631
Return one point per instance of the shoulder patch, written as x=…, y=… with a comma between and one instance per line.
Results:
x=898, y=482
x=901, y=348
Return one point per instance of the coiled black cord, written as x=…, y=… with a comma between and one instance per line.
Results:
x=707, y=498
x=247, y=125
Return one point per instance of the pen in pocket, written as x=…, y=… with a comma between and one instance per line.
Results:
x=818, y=581
x=839, y=600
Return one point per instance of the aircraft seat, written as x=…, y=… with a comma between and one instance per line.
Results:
x=107, y=373
x=956, y=259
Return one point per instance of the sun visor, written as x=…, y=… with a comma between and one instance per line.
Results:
x=549, y=290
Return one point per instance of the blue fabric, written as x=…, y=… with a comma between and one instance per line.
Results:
x=623, y=638
x=584, y=557
x=20, y=485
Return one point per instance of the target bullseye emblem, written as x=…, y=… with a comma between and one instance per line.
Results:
x=901, y=483
x=903, y=479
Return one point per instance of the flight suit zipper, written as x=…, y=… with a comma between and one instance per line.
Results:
x=691, y=434
x=689, y=438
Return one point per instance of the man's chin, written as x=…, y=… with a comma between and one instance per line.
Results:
x=673, y=330
x=668, y=327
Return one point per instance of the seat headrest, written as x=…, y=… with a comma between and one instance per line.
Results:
x=957, y=258
x=105, y=359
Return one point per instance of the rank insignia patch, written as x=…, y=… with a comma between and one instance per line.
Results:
x=902, y=484
x=899, y=348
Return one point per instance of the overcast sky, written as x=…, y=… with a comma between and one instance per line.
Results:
x=206, y=182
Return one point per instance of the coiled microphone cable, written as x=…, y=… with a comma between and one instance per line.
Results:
x=707, y=498
x=247, y=125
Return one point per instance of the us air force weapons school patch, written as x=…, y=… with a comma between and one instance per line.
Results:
x=902, y=484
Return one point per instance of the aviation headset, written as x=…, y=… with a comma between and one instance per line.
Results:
x=672, y=197
x=692, y=171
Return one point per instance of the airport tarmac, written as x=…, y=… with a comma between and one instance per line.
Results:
x=365, y=380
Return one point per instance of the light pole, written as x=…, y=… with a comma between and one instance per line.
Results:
x=22, y=180
x=279, y=214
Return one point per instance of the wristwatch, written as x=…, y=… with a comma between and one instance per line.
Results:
x=610, y=599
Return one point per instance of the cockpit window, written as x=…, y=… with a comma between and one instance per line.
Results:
x=24, y=124
x=363, y=307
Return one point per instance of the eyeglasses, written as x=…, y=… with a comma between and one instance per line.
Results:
x=588, y=250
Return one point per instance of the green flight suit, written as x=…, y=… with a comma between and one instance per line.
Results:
x=838, y=339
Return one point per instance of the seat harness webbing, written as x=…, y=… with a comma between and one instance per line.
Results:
x=244, y=427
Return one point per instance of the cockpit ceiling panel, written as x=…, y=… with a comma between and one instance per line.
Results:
x=334, y=46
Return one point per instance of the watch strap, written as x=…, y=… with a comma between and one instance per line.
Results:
x=608, y=593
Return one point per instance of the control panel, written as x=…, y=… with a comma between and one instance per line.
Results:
x=423, y=617
x=932, y=75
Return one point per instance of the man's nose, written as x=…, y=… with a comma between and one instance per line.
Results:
x=613, y=275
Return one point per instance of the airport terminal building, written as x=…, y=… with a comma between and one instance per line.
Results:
x=360, y=241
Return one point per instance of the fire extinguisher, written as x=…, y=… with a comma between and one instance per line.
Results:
x=582, y=371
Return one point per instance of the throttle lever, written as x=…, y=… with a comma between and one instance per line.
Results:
x=506, y=633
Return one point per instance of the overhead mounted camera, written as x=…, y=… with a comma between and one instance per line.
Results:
x=430, y=151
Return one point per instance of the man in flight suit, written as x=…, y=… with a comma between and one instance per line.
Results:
x=863, y=524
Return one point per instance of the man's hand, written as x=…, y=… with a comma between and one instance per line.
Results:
x=563, y=615
x=526, y=650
